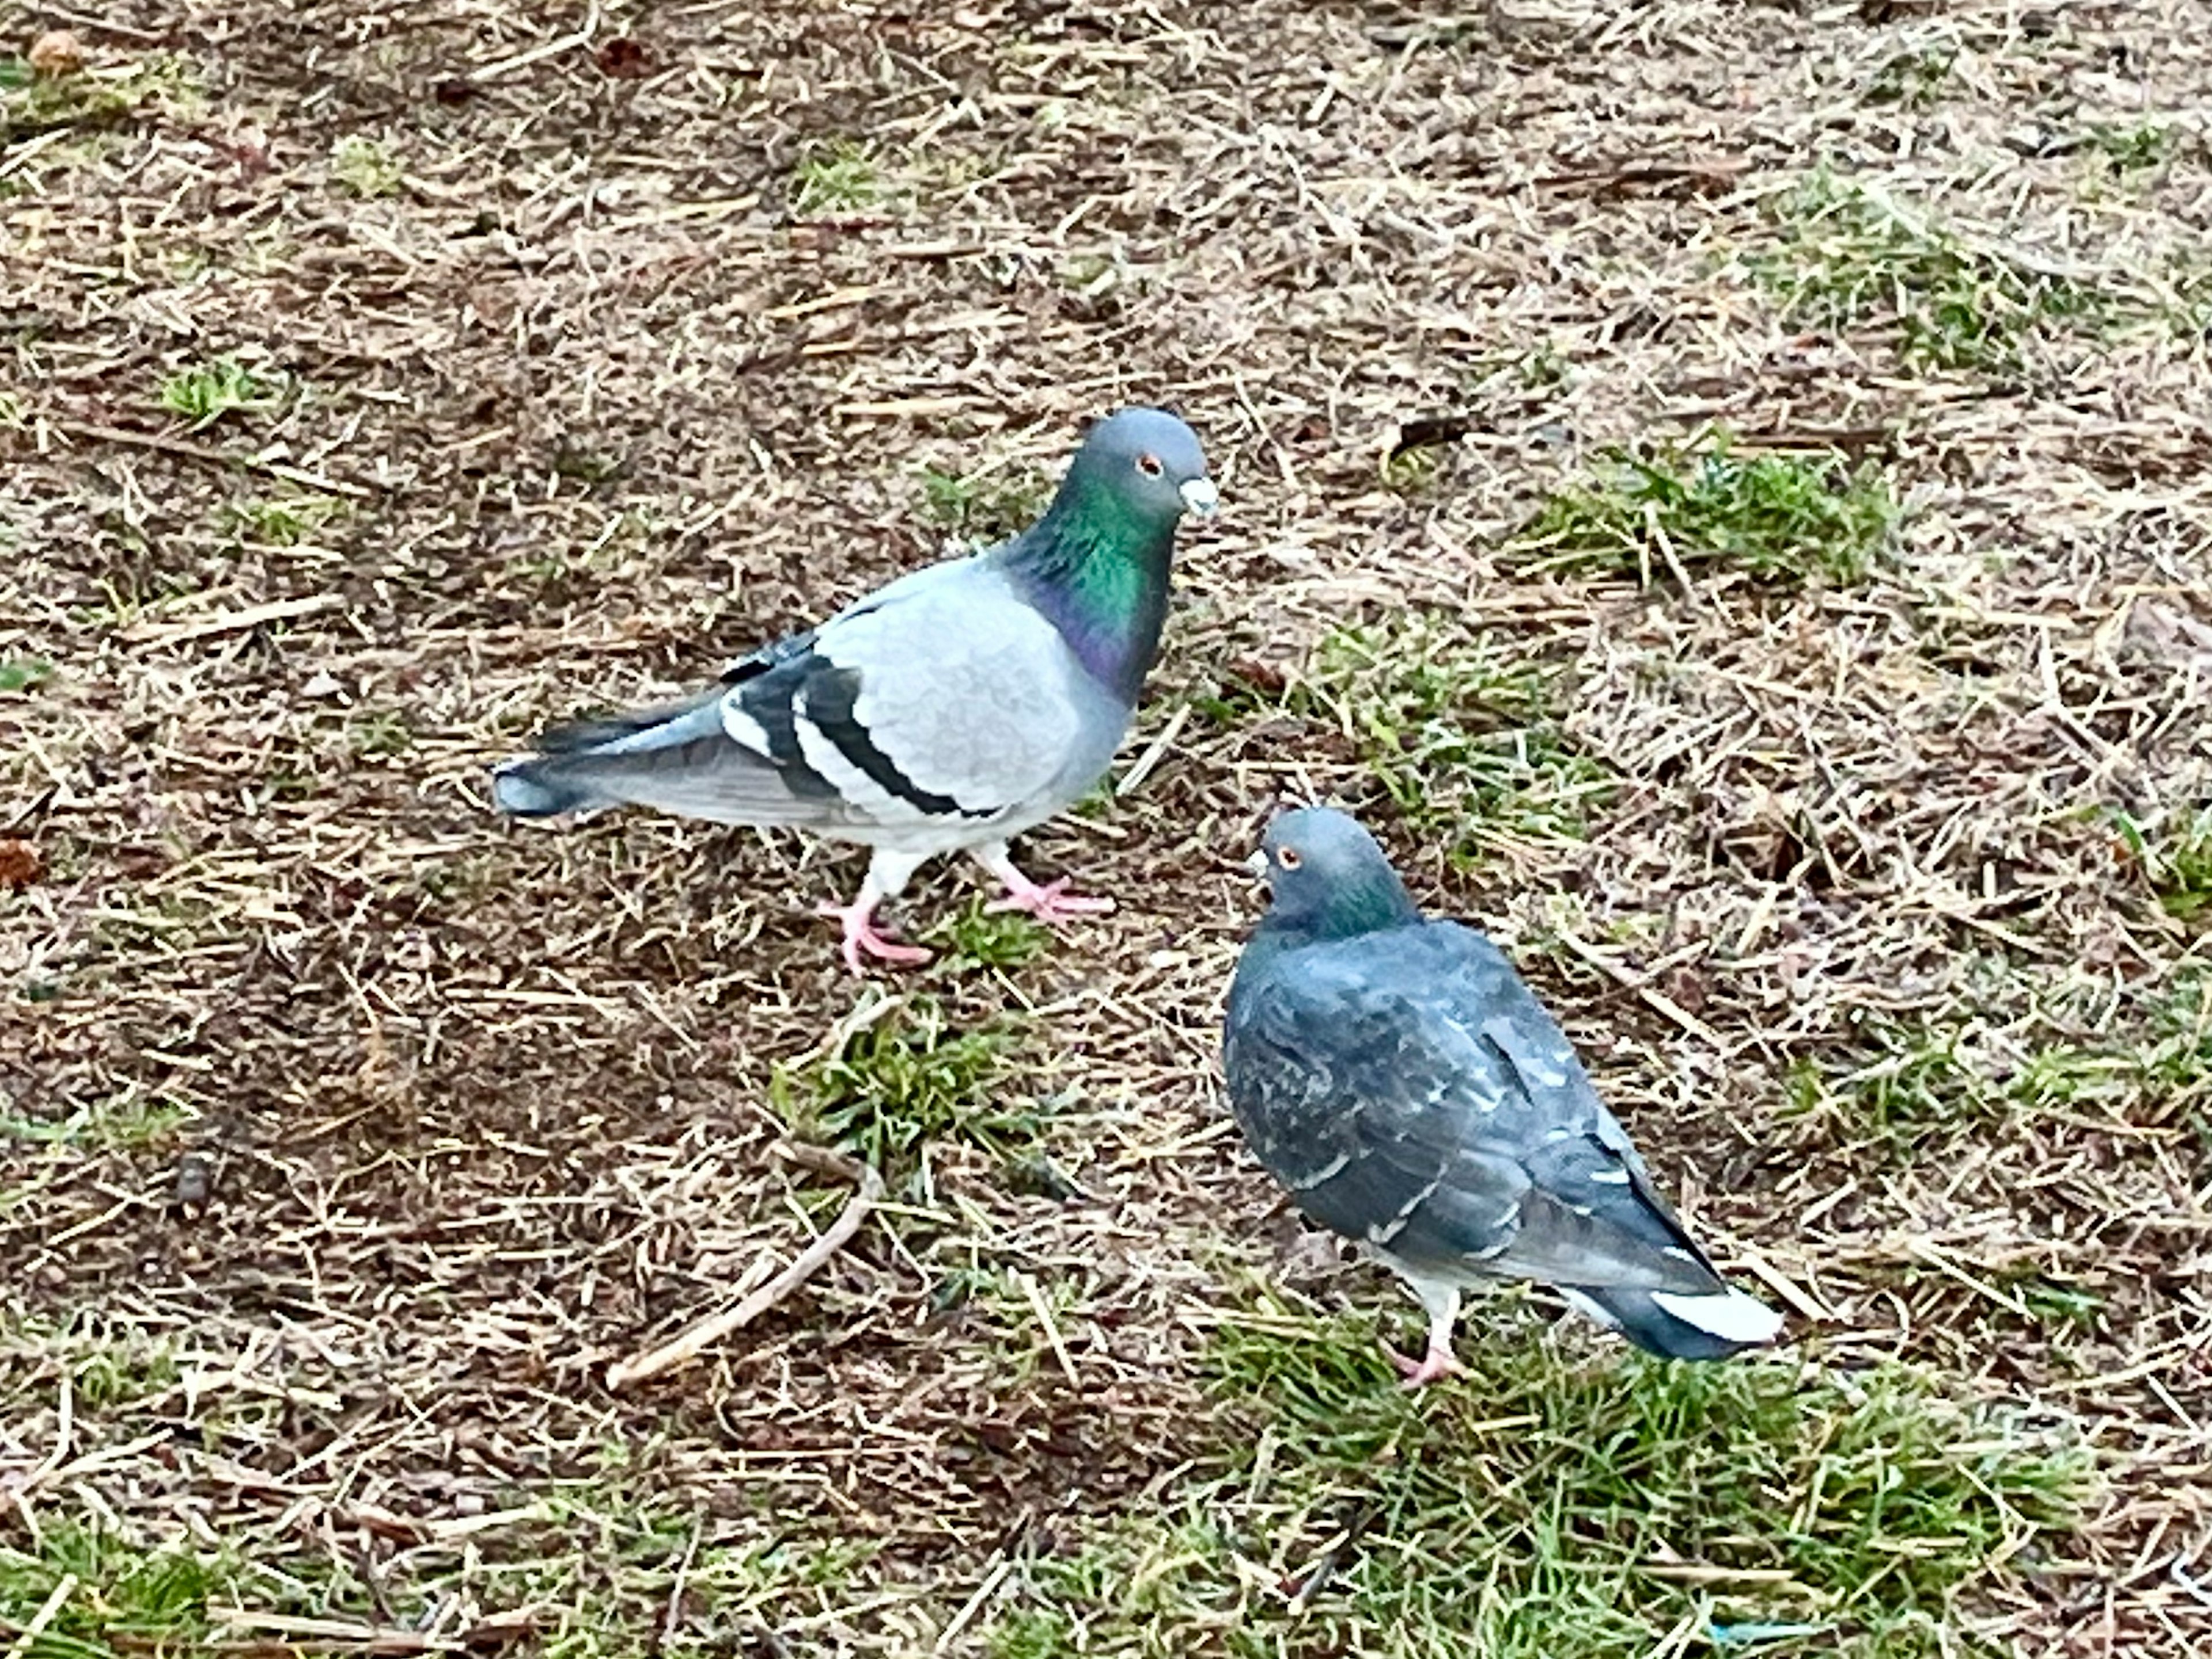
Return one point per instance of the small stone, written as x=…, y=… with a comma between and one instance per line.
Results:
x=20, y=863
x=624, y=59
x=195, y=1179
x=55, y=53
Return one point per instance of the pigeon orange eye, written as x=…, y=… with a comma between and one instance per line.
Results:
x=1289, y=858
x=1149, y=466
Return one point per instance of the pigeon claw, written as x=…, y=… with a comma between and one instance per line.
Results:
x=862, y=940
x=1051, y=903
x=1432, y=1367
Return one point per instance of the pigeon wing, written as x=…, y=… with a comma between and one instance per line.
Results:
x=948, y=701
x=1469, y=1137
x=943, y=703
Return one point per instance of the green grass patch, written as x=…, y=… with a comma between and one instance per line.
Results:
x=1786, y=519
x=1853, y=256
x=910, y=1077
x=119, y=1598
x=205, y=393
x=1538, y=1508
x=601, y=1573
x=366, y=167
x=1005, y=1298
x=93, y=98
x=281, y=522
x=2141, y=1055
x=978, y=936
x=123, y=1122
x=1464, y=736
x=1413, y=470
x=2178, y=862
x=380, y=735
x=24, y=673
x=2136, y=147
x=837, y=175
x=1916, y=79
x=113, y=1365
x=982, y=506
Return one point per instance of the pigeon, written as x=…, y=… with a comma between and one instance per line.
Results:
x=947, y=711
x=1394, y=1072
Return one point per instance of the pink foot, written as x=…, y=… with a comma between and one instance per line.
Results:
x=1432, y=1367
x=1050, y=903
x=861, y=939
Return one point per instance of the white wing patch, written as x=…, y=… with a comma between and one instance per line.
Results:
x=742, y=727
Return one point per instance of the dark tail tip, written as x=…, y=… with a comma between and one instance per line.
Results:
x=533, y=789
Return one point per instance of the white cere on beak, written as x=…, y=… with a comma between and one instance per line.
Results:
x=1257, y=864
x=1200, y=496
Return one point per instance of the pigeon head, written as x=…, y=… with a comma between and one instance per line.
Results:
x=1097, y=563
x=1146, y=463
x=1328, y=878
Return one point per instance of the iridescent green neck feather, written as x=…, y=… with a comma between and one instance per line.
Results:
x=1365, y=898
x=1097, y=566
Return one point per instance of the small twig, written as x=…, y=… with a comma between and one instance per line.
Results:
x=1325, y=1566
x=1155, y=751
x=1629, y=175
x=1043, y=1310
x=85, y=21
x=974, y=1604
x=675, y=1616
x=538, y=53
x=185, y=451
x=64, y=1421
x=175, y=633
x=1785, y=1287
x=354, y=1636
x=1658, y=998
x=693, y=1342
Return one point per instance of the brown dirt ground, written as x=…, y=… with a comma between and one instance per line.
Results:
x=484, y=1110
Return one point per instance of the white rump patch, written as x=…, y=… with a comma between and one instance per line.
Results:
x=1732, y=1316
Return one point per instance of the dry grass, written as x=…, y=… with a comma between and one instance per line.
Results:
x=387, y=378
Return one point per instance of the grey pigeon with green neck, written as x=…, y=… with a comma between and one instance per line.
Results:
x=1396, y=1076
x=946, y=712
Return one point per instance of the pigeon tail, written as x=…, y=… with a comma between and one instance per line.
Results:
x=1678, y=1326
x=679, y=757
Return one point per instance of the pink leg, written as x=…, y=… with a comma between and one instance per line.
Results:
x=1049, y=904
x=1442, y=1303
x=1432, y=1367
x=861, y=939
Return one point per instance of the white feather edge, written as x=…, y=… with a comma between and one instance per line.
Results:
x=1732, y=1316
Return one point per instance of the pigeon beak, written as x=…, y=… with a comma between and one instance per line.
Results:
x=1200, y=497
x=1257, y=864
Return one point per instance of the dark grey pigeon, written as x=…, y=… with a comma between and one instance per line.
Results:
x=1395, y=1074
x=947, y=711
